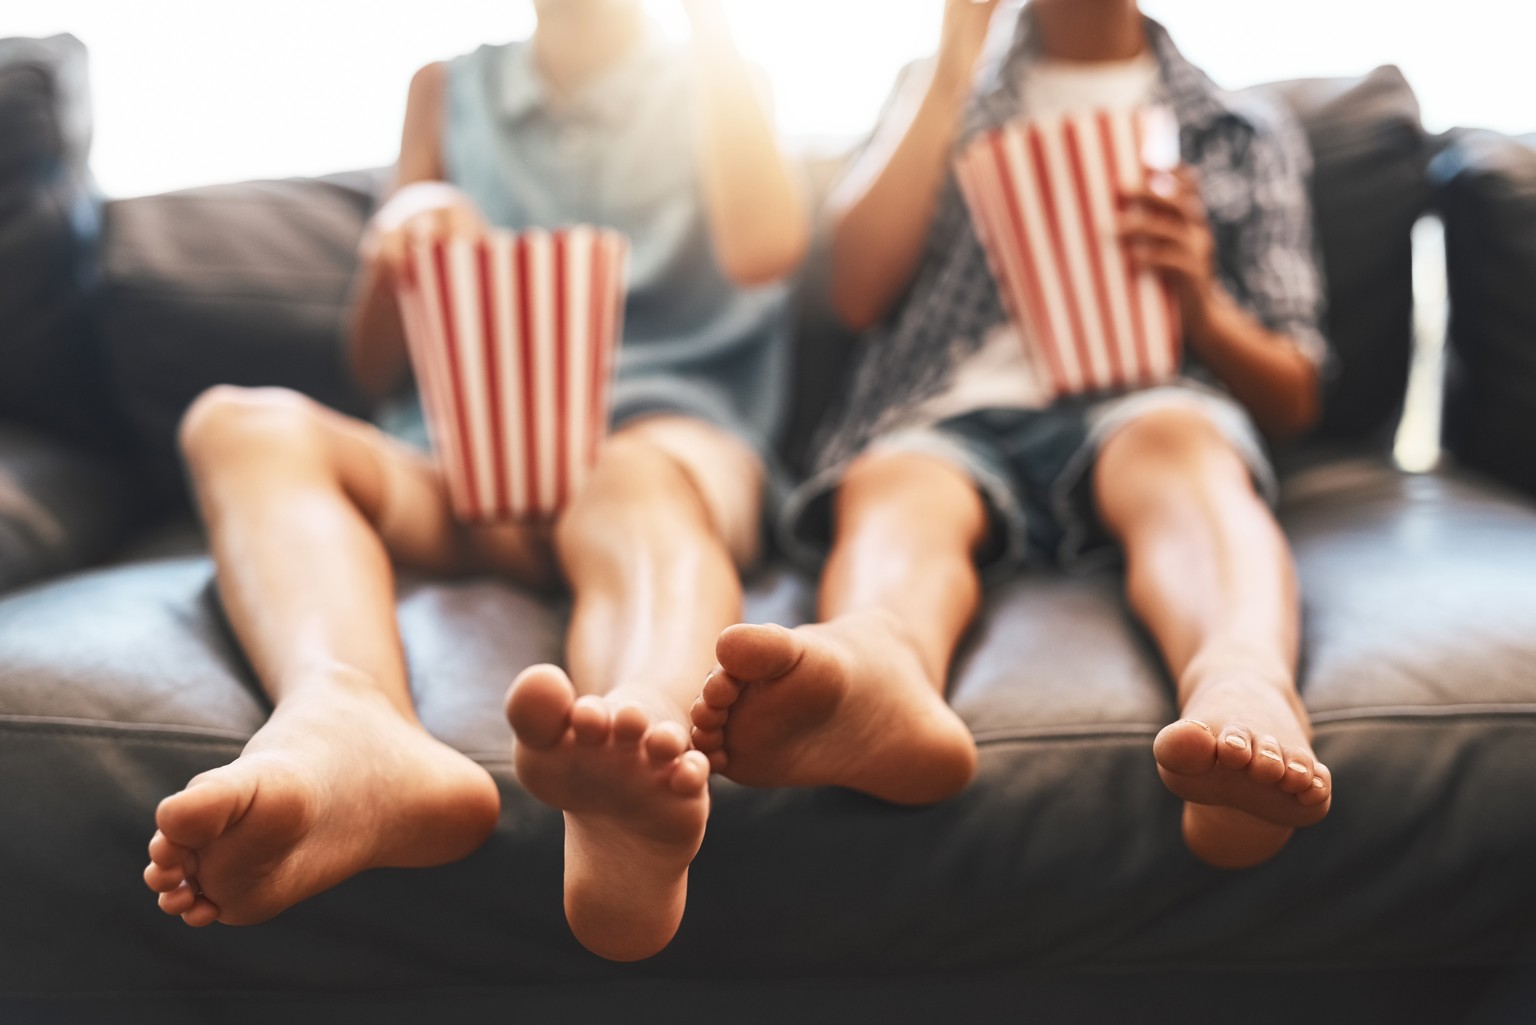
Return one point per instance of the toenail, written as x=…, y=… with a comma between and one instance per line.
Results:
x=1272, y=755
x=1317, y=783
x=1236, y=740
x=1297, y=767
x=1198, y=723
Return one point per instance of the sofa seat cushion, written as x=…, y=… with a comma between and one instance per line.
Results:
x=117, y=686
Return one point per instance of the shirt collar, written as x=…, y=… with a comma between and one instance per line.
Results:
x=608, y=97
x=1198, y=103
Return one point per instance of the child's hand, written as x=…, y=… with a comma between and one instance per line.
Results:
x=965, y=31
x=1164, y=227
x=421, y=212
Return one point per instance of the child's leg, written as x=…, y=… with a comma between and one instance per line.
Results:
x=858, y=700
x=304, y=508
x=651, y=549
x=1209, y=572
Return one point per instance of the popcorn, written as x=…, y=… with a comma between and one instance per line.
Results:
x=514, y=339
x=1043, y=195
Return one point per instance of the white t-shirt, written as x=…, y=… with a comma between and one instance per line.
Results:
x=997, y=375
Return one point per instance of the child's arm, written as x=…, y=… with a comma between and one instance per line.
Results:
x=1268, y=372
x=757, y=210
x=420, y=203
x=884, y=209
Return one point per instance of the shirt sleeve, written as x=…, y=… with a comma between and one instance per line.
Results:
x=1275, y=262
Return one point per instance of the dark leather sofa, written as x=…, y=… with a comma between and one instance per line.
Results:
x=1055, y=889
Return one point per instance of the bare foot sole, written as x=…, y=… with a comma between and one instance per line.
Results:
x=846, y=703
x=335, y=783
x=1243, y=762
x=635, y=800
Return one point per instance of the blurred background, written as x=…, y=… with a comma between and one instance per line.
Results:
x=190, y=92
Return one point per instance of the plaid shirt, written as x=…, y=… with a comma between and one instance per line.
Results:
x=1252, y=163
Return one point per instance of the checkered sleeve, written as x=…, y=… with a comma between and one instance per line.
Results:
x=1276, y=264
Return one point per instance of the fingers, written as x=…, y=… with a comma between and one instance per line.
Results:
x=1173, y=194
x=1135, y=227
x=1165, y=258
x=435, y=215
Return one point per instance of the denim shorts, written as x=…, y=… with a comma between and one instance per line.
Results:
x=1033, y=468
x=404, y=419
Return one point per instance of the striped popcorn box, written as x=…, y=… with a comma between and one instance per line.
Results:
x=513, y=338
x=1043, y=195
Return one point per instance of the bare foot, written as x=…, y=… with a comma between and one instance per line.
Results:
x=1242, y=761
x=336, y=782
x=635, y=802
x=846, y=703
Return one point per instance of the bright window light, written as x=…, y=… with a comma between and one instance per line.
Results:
x=191, y=91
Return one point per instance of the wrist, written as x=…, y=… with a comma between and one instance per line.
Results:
x=950, y=85
x=1207, y=317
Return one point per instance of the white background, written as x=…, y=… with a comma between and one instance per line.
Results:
x=189, y=92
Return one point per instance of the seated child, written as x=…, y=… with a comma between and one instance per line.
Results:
x=596, y=119
x=946, y=456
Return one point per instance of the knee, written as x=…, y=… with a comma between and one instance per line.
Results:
x=1174, y=440
x=634, y=483
x=1168, y=464
x=226, y=421
x=885, y=493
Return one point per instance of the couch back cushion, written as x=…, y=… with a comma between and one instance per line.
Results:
x=1369, y=154
x=1486, y=193
x=230, y=284
x=49, y=377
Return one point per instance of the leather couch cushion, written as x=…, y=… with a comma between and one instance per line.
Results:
x=49, y=377
x=61, y=507
x=239, y=284
x=116, y=687
x=1486, y=192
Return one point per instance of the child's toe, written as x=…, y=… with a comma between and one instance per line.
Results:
x=629, y=724
x=1268, y=765
x=720, y=690
x=590, y=720
x=664, y=742
x=691, y=773
x=1234, y=746
x=1298, y=770
x=707, y=717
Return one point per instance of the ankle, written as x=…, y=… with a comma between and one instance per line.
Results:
x=335, y=683
x=890, y=624
x=1214, y=668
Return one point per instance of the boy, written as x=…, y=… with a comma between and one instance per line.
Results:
x=596, y=119
x=948, y=454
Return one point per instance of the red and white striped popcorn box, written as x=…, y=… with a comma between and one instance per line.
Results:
x=514, y=339
x=1044, y=197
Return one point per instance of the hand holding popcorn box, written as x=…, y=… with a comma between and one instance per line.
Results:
x=1044, y=197
x=513, y=338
